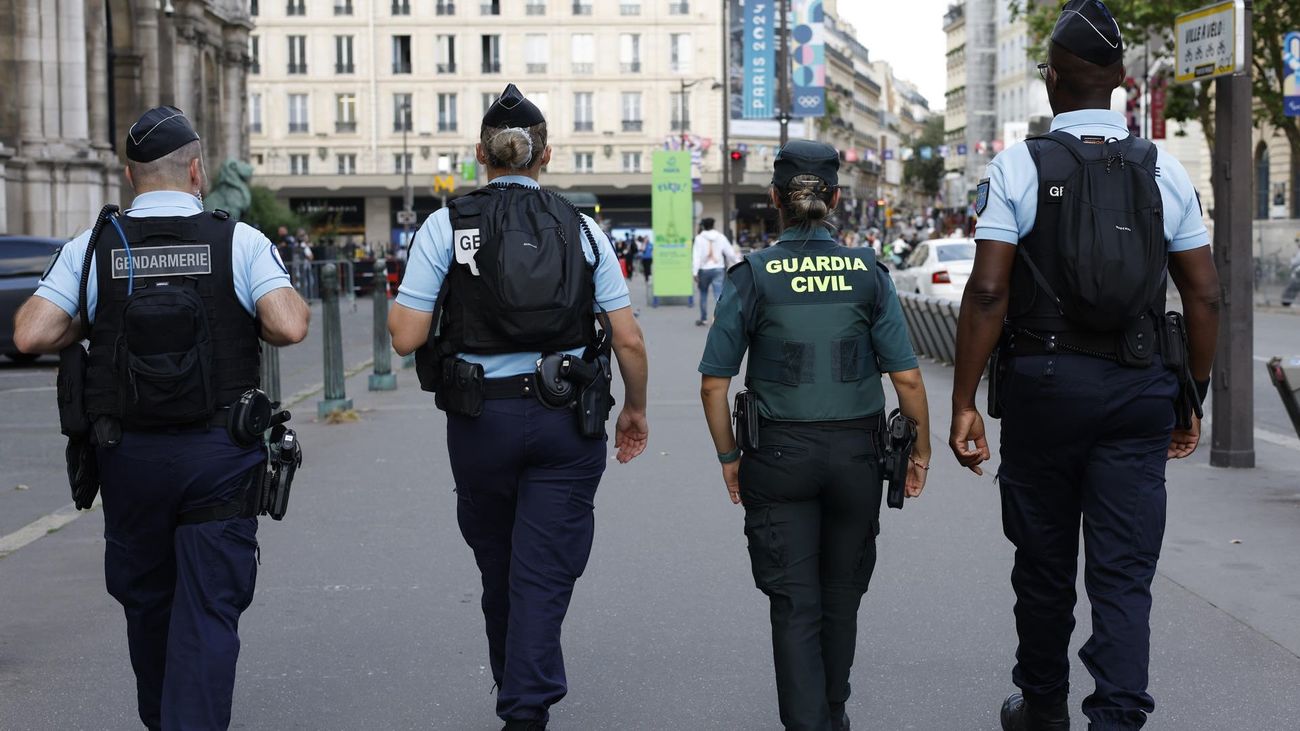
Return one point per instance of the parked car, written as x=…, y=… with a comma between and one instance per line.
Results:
x=936, y=268
x=23, y=260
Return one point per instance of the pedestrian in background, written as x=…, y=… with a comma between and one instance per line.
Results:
x=647, y=256
x=812, y=487
x=630, y=254
x=1096, y=387
x=180, y=530
x=526, y=462
x=711, y=255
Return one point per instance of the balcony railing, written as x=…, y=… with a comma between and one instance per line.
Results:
x=584, y=68
x=447, y=68
x=402, y=67
x=584, y=126
x=255, y=128
x=582, y=9
x=535, y=68
x=296, y=7
x=446, y=126
x=489, y=9
x=444, y=9
x=629, y=9
x=535, y=9
x=630, y=67
x=632, y=125
x=679, y=8
x=298, y=127
x=344, y=68
x=343, y=8
x=491, y=67
x=298, y=68
x=345, y=126
x=401, y=8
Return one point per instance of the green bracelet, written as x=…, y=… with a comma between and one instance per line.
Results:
x=729, y=457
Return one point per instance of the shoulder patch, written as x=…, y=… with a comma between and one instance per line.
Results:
x=981, y=196
x=54, y=258
x=883, y=268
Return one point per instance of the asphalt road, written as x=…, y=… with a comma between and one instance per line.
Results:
x=367, y=616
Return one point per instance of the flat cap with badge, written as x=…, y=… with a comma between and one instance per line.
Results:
x=159, y=132
x=806, y=157
x=1088, y=30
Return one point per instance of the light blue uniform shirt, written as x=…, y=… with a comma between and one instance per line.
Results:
x=257, y=268
x=1013, y=187
x=431, y=256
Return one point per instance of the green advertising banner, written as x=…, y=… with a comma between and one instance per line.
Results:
x=672, y=217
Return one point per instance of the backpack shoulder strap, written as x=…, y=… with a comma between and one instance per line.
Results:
x=1064, y=139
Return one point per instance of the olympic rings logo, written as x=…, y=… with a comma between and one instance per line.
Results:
x=809, y=101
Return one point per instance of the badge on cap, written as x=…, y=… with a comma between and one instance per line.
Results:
x=981, y=196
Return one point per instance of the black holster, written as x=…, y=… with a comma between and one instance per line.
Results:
x=594, y=379
x=79, y=455
x=900, y=435
x=1175, y=353
x=746, y=417
x=460, y=387
x=996, y=372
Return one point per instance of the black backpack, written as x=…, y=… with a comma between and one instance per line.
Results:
x=1112, y=256
x=165, y=357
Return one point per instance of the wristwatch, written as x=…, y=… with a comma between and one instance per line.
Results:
x=729, y=457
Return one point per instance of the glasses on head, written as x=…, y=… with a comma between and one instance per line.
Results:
x=1042, y=70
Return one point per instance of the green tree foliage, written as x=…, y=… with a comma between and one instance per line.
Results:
x=926, y=175
x=267, y=213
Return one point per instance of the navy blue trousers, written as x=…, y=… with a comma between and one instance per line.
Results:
x=1084, y=438
x=182, y=587
x=525, y=485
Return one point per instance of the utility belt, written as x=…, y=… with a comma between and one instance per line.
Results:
x=1135, y=347
x=559, y=381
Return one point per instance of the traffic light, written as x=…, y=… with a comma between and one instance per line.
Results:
x=737, y=164
x=737, y=156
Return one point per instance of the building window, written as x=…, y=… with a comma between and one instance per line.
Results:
x=581, y=7
x=679, y=104
x=681, y=53
x=632, y=111
x=447, y=113
x=403, y=162
x=444, y=7
x=297, y=54
x=401, y=54
x=345, y=112
x=255, y=114
x=254, y=55
x=535, y=53
x=401, y=112
x=298, y=122
x=582, y=111
x=679, y=8
x=629, y=8
x=253, y=9
x=343, y=63
x=343, y=7
x=298, y=164
x=489, y=98
x=296, y=7
x=631, y=162
x=584, y=53
x=445, y=52
x=401, y=7
x=629, y=53
x=493, y=7
x=348, y=164
x=535, y=7
x=583, y=162
x=491, y=45
x=447, y=163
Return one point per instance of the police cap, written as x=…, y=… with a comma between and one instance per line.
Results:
x=805, y=157
x=159, y=131
x=1088, y=30
x=511, y=109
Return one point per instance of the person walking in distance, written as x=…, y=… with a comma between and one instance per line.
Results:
x=712, y=253
x=517, y=363
x=1097, y=387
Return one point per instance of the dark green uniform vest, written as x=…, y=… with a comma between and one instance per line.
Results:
x=810, y=353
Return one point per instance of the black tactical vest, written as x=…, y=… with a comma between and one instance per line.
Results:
x=519, y=280
x=810, y=352
x=171, y=259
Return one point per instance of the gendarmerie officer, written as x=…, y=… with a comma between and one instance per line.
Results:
x=510, y=276
x=177, y=299
x=821, y=323
x=1075, y=234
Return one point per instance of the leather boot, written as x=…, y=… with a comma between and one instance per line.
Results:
x=1018, y=715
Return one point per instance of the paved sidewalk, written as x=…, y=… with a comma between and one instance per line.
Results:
x=367, y=615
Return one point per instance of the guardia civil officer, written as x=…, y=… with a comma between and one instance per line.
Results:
x=821, y=323
x=177, y=299
x=514, y=278
x=1076, y=232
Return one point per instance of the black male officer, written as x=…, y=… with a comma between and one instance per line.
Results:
x=177, y=300
x=1088, y=414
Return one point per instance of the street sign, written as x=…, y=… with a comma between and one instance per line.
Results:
x=1291, y=74
x=406, y=218
x=1210, y=41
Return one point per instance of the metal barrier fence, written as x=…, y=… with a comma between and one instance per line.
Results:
x=932, y=324
x=306, y=277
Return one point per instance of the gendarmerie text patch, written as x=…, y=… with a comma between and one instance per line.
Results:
x=163, y=261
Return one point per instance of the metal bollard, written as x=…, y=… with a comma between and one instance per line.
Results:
x=271, y=371
x=383, y=379
x=335, y=396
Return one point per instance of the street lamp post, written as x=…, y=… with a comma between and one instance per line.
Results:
x=407, y=202
x=783, y=66
x=726, y=122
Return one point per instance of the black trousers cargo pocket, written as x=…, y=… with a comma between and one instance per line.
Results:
x=766, y=550
x=866, y=558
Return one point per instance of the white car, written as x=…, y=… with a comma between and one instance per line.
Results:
x=936, y=268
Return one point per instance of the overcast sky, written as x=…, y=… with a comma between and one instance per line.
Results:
x=909, y=35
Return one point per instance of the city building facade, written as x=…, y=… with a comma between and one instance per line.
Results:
x=77, y=74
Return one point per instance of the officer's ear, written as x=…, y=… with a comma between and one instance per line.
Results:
x=130, y=179
x=835, y=199
x=480, y=155
x=197, y=178
x=546, y=157
x=774, y=196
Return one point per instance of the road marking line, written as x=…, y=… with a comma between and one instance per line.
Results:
x=41, y=527
x=30, y=389
x=1280, y=440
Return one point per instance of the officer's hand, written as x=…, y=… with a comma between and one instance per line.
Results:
x=915, y=482
x=630, y=435
x=967, y=427
x=1184, y=441
x=731, y=476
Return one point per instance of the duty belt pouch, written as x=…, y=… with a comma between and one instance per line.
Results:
x=746, y=416
x=73, y=421
x=1137, y=342
x=595, y=400
x=461, y=389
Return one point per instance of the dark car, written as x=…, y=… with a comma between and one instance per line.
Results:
x=22, y=262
